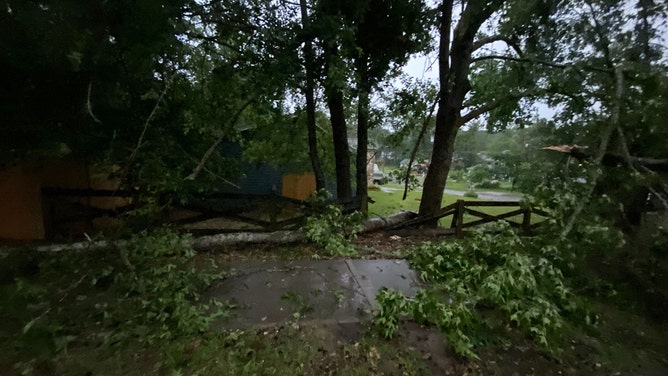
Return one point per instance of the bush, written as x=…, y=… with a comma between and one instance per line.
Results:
x=456, y=175
x=470, y=193
x=490, y=184
x=478, y=174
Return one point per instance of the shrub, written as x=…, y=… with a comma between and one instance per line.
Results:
x=456, y=175
x=477, y=174
x=490, y=184
x=470, y=193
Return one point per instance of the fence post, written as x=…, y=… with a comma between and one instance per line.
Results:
x=526, y=220
x=458, y=218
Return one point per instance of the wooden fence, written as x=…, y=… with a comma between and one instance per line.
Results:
x=259, y=212
x=71, y=211
x=461, y=208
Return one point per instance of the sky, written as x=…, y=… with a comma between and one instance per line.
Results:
x=426, y=67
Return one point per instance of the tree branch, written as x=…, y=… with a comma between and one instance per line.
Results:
x=492, y=105
x=89, y=106
x=207, y=155
x=602, y=149
x=498, y=38
x=206, y=169
x=541, y=62
x=629, y=161
x=140, y=141
x=417, y=143
x=212, y=40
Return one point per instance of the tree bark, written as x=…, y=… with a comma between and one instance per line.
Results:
x=445, y=131
x=309, y=93
x=379, y=223
x=362, y=189
x=341, y=150
x=277, y=237
x=334, y=96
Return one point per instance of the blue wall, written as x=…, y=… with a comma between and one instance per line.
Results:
x=258, y=178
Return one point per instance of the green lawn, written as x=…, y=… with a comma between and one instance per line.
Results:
x=386, y=203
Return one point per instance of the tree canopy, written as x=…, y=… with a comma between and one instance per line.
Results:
x=156, y=86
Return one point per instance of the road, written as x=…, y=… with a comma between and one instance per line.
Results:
x=484, y=195
x=490, y=196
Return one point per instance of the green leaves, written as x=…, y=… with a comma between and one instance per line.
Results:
x=160, y=289
x=331, y=229
x=495, y=270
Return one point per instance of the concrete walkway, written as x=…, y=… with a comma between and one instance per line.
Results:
x=272, y=293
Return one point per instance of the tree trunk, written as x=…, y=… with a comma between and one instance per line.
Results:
x=362, y=138
x=341, y=150
x=445, y=130
x=209, y=242
x=204, y=243
x=310, y=101
x=337, y=117
x=441, y=160
x=454, y=60
x=380, y=223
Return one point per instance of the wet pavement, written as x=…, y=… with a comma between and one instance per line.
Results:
x=271, y=293
x=485, y=195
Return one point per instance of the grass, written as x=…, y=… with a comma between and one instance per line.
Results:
x=387, y=203
x=293, y=349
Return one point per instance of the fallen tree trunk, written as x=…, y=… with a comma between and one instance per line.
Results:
x=380, y=223
x=220, y=240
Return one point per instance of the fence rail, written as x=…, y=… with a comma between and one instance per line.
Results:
x=461, y=208
x=273, y=212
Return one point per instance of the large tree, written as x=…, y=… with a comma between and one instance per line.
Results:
x=454, y=62
x=579, y=56
x=366, y=41
x=386, y=34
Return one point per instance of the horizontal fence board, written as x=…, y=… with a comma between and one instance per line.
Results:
x=492, y=203
x=69, y=192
